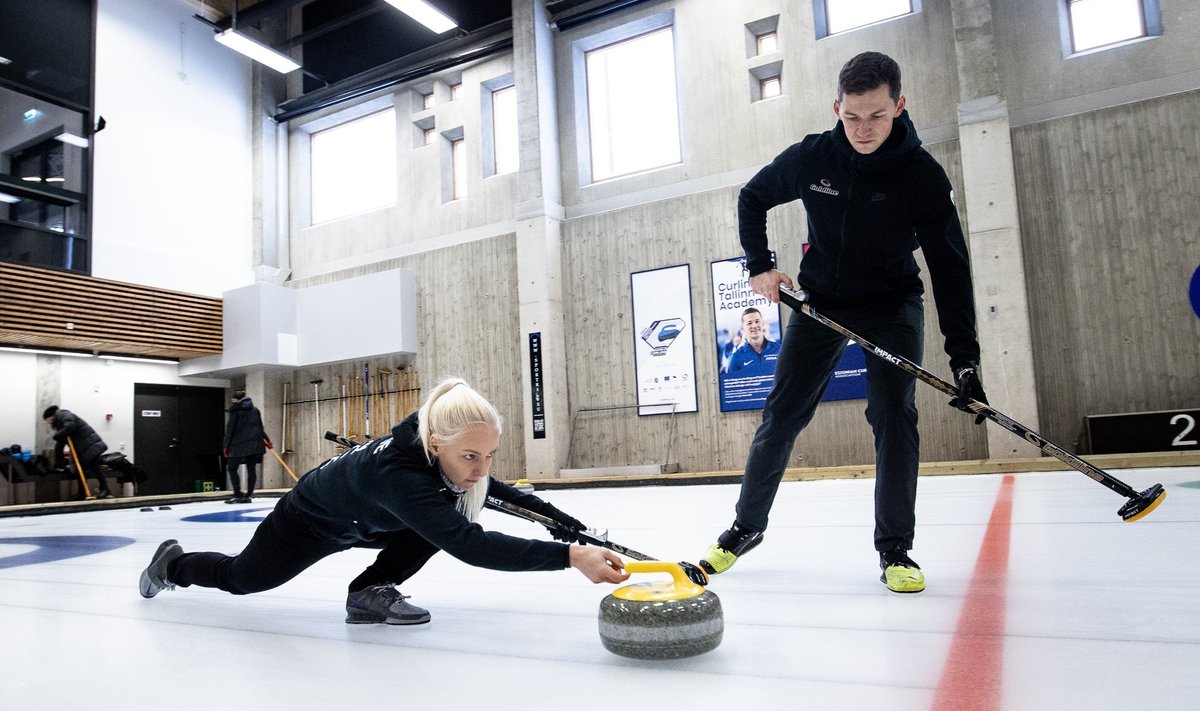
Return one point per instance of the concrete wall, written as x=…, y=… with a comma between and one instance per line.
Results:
x=172, y=179
x=463, y=255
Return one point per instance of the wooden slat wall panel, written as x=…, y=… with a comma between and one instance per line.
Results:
x=44, y=307
x=1110, y=204
x=601, y=251
x=469, y=327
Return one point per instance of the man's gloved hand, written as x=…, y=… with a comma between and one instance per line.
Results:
x=225, y=452
x=970, y=387
x=268, y=443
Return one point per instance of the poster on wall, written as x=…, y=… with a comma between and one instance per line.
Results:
x=749, y=334
x=664, y=353
x=748, y=337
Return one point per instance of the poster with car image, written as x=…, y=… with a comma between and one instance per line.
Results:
x=664, y=352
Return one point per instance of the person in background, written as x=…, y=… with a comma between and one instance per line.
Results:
x=245, y=444
x=410, y=494
x=872, y=196
x=88, y=447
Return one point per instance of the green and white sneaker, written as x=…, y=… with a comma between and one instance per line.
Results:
x=724, y=553
x=900, y=573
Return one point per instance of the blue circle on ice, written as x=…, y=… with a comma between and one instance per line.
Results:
x=1194, y=291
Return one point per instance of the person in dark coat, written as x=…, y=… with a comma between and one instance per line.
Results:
x=410, y=494
x=245, y=443
x=88, y=446
x=872, y=196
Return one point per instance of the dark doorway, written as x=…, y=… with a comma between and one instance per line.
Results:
x=177, y=435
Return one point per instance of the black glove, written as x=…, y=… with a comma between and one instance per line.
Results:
x=970, y=387
x=567, y=529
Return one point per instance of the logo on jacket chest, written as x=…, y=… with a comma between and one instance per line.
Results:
x=824, y=187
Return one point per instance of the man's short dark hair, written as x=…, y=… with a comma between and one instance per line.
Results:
x=50, y=411
x=867, y=71
x=751, y=310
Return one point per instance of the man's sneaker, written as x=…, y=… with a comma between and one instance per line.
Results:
x=724, y=553
x=154, y=578
x=900, y=573
x=235, y=499
x=382, y=603
x=106, y=494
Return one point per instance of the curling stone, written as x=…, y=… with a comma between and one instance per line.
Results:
x=661, y=620
x=523, y=485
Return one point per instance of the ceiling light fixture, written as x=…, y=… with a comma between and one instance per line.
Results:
x=136, y=359
x=42, y=351
x=261, y=53
x=425, y=13
x=72, y=139
x=10, y=199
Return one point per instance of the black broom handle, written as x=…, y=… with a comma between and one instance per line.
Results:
x=798, y=300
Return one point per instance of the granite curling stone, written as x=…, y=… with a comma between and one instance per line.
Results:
x=661, y=620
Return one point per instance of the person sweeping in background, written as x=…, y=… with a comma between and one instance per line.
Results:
x=410, y=494
x=87, y=444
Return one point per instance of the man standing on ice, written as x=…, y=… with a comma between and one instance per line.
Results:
x=872, y=197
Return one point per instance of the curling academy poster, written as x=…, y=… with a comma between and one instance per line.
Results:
x=749, y=336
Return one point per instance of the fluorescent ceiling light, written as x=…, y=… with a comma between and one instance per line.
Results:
x=424, y=13
x=42, y=351
x=10, y=199
x=72, y=139
x=5, y=60
x=135, y=359
x=258, y=52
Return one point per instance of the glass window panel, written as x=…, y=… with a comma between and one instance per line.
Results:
x=458, y=161
x=1095, y=23
x=768, y=42
x=771, y=87
x=842, y=15
x=632, y=106
x=354, y=167
x=506, y=139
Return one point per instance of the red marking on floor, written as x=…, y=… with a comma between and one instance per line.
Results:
x=971, y=680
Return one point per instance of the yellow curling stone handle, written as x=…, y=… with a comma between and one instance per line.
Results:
x=678, y=588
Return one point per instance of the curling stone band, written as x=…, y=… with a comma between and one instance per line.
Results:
x=661, y=620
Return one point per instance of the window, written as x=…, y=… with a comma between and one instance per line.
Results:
x=770, y=87
x=766, y=81
x=427, y=101
x=1098, y=23
x=762, y=36
x=458, y=164
x=766, y=43
x=44, y=157
x=632, y=108
x=354, y=167
x=505, y=139
x=423, y=132
x=833, y=16
x=455, y=91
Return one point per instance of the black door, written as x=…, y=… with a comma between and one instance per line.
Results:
x=177, y=435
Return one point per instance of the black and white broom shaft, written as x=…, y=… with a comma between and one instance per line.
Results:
x=584, y=536
x=796, y=300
